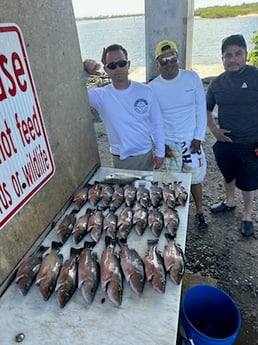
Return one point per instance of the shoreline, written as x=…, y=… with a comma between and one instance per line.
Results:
x=204, y=71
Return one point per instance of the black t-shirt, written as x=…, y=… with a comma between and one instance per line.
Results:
x=236, y=94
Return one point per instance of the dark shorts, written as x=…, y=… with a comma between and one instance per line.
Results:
x=238, y=161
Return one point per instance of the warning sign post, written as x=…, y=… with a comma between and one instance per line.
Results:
x=26, y=161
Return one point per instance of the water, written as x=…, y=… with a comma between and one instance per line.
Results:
x=130, y=32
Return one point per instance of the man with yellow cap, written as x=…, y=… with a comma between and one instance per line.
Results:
x=181, y=97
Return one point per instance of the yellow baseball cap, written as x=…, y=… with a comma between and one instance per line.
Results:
x=163, y=46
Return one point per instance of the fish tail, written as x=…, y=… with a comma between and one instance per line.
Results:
x=56, y=245
x=169, y=236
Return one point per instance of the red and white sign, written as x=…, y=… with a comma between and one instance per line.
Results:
x=26, y=161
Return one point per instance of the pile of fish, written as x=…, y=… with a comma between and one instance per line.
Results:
x=109, y=211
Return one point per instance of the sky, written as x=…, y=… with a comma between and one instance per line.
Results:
x=84, y=8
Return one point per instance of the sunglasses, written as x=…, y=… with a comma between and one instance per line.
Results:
x=120, y=63
x=165, y=60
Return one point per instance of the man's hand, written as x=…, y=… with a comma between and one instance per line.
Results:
x=195, y=146
x=158, y=161
x=91, y=66
x=221, y=135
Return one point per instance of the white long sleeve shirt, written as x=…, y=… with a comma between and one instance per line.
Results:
x=131, y=117
x=183, y=106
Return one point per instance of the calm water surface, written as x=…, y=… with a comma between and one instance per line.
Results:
x=130, y=32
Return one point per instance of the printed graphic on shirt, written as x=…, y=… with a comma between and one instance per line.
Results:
x=141, y=106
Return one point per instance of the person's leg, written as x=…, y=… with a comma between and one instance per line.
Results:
x=196, y=190
x=248, y=198
x=230, y=193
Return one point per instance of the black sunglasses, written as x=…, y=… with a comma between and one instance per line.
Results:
x=120, y=63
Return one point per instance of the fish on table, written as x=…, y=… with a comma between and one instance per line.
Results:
x=154, y=266
x=80, y=197
x=106, y=195
x=28, y=269
x=180, y=193
x=95, y=224
x=125, y=221
x=130, y=194
x=174, y=259
x=88, y=272
x=155, y=221
x=123, y=178
x=65, y=227
x=132, y=266
x=143, y=196
x=156, y=194
x=169, y=195
x=49, y=270
x=140, y=220
x=94, y=193
x=110, y=223
x=171, y=220
x=80, y=228
x=111, y=275
x=117, y=196
x=66, y=283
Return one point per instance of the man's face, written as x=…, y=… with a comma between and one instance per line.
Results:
x=117, y=66
x=168, y=64
x=234, y=58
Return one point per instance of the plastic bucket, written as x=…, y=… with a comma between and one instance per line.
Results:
x=209, y=316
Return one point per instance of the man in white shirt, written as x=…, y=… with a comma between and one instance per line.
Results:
x=130, y=113
x=181, y=97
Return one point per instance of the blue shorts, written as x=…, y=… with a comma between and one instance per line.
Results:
x=239, y=162
x=183, y=161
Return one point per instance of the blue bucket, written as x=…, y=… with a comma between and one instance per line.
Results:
x=209, y=316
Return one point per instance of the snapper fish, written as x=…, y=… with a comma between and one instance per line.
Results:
x=118, y=196
x=28, y=270
x=95, y=224
x=154, y=267
x=80, y=197
x=81, y=227
x=110, y=223
x=94, y=193
x=111, y=275
x=66, y=283
x=180, y=193
x=122, y=178
x=130, y=194
x=106, y=195
x=132, y=266
x=88, y=272
x=171, y=220
x=125, y=222
x=155, y=221
x=169, y=195
x=65, y=228
x=49, y=270
x=140, y=220
x=156, y=194
x=174, y=259
x=143, y=196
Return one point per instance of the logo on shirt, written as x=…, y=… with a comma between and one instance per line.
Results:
x=244, y=86
x=141, y=106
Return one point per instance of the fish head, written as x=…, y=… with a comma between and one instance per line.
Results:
x=114, y=292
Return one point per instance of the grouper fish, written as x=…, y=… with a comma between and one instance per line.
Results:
x=154, y=267
x=49, y=270
x=132, y=267
x=174, y=259
x=111, y=276
x=28, y=270
x=88, y=272
x=66, y=283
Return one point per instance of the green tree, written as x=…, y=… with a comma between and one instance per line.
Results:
x=253, y=55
